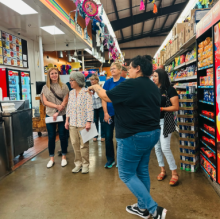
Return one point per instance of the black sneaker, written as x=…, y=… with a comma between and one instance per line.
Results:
x=161, y=213
x=133, y=209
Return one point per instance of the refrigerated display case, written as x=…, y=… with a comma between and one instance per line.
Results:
x=15, y=84
x=26, y=87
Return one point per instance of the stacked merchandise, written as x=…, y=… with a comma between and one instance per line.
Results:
x=208, y=79
x=184, y=73
x=188, y=131
x=205, y=54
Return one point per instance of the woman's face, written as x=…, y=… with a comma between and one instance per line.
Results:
x=54, y=75
x=156, y=78
x=94, y=81
x=73, y=84
x=132, y=72
x=115, y=71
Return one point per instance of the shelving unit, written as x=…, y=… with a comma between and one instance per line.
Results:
x=210, y=165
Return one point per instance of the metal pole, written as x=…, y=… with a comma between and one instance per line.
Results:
x=41, y=57
x=83, y=61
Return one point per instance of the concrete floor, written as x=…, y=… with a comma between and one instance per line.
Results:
x=35, y=192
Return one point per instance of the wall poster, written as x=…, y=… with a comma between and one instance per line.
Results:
x=11, y=49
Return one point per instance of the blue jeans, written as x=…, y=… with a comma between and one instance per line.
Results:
x=109, y=146
x=133, y=156
x=99, y=115
x=163, y=147
x=63, y=134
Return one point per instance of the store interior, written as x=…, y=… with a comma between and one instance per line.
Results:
x=182, y=37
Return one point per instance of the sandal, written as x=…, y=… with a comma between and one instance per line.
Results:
x=103, y=139
x=173, y=181
x=161, y=176
x=94, y=139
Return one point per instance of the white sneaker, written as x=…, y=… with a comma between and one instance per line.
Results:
x=63, y=162
x=50, y=164
x=76, y=169
x=85, y=170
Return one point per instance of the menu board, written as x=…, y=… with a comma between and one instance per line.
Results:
x=11, y=50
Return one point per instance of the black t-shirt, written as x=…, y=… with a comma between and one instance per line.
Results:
x=137, y=106
x=171, y=92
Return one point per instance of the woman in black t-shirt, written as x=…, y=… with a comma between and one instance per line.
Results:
x=137, y=114
x=169, y=104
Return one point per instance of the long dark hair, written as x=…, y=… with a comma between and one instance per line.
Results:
x=163, y=79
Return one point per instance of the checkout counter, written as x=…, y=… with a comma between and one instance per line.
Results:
x=18, y=130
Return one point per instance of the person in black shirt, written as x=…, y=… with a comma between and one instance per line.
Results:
x=137, y=114
x=169, y=104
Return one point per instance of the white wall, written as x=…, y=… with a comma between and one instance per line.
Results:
x=33, y=61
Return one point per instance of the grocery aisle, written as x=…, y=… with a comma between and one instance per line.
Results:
x=33, y=191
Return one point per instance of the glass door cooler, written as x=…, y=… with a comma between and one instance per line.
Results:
x=26, y=87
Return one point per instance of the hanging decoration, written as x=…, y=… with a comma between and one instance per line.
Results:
x=155, y=6
x=142, y=5
x=89, y=10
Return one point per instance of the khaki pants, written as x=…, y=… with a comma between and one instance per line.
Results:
x=81, y=150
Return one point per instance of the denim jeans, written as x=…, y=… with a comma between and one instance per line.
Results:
x=99, y=115
x=163, y=147
x=109, y=146
x=63, y=134
x=133, y=157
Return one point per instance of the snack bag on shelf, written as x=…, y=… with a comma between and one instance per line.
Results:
x=201, y=45
x=202, y=81
x=200, y=50
x=209, y=60
x=182, y=59
x=176, y=61
x=206, y=81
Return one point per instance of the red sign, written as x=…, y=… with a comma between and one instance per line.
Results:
x=10, y=73
x=22, y=74
x=208, y=20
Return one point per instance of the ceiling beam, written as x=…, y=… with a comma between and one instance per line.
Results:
x=167, y=16
x=148, y=34
x=126, y=22
x=155, y=19
x=132, y=31
x=116, y=13
x=142, y=30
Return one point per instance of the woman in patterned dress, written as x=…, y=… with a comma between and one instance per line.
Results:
x=78, y=117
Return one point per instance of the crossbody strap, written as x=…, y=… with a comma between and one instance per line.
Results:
x=54, y=93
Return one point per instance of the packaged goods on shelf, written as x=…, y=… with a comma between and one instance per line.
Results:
x=208, y=167
x=187, y=128
x=188, y=144
x=208, y=152
x=190, y=55
x=209, y=129
x=189, y=167
x=209, y=95
x=187, y=72
x=187, y=96
x=205, y=54
x=208, y=141
x=208, y=114
x=187, y=120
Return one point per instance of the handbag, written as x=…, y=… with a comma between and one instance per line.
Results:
x=54, y=93
x=169, y=123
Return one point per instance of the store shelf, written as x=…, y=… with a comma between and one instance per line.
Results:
x=187, y=123
x=206, y=173
x=188, y=108
x=205, y=86
x=209, y=66
x=207, y=133
x=188, y=100
x=211, y=149
x=191, y=61
x=184, y=86
x=187, y=116
x=180, y=66
x=187, y=131
x=185, y=78
x=210, y=160
x=183, y=49
x=210, y=103
x=207, y=118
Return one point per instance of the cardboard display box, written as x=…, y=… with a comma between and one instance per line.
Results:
x=187, y=31
x=181, y=38
x=178, y=28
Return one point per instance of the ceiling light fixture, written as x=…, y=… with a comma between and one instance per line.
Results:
x=53, y=30
x=182, y=17
x=19, y=6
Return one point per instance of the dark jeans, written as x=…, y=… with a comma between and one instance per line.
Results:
x=99, y=115
x=109, y=146
x=63, y=134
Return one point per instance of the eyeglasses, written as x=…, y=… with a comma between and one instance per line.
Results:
x=112, y=69
x=72, y=80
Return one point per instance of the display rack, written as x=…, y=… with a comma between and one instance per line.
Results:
x=208, y=109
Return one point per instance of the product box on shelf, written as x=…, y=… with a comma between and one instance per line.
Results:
x=187, y=31
x=181, y=37
x=179, y=28
x=189, y=167
x=176, y=43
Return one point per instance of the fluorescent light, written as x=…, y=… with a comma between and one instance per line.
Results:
x=89, y=51
x=53, y=30
x=19, y=6
x=181, y=18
